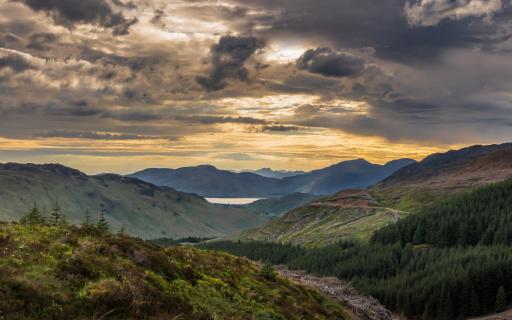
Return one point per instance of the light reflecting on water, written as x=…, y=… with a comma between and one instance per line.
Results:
x=232, y=200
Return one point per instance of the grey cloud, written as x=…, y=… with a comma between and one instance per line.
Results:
x=158, y=15
x=374, y=23
x=16, y=63
x=41, y=40
x=135, y=116
x=93, y=135
x=431, y=12
x=330, y=63
x=125, y=4
x=219, y=119
x=228, y=57
x=279, y=128
x=70, y=12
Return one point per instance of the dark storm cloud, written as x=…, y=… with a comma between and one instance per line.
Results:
x=41, y=41
x=124, y=4
x=15, y=62
x=330, y=63
x=70, y=12
x=92, y=135
x=74, y=109
x=373, y=23
x=228, y=58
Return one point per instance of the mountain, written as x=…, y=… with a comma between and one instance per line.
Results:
x=278, y=174
x=142, y=208
x=356, y=214
x=281, y=205
x=52, y=272
x=209, y=181
x=344, y=175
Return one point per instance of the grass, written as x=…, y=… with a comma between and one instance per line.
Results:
x=320, y=226
x=51, y=272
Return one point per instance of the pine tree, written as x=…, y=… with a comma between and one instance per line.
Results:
x=501, y=300
x=122, y=230
x=87, y=222
x=33, y=217
x=102, y=224
x=56, y=217
x=475, y=303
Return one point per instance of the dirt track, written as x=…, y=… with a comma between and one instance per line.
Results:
x=507, y=315
x=365, y=308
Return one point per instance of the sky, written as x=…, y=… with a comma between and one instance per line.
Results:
x=120, y=85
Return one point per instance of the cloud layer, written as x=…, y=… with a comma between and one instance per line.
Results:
x=242, y=83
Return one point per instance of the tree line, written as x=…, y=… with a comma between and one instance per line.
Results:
x=450, y=261
x=57, y=217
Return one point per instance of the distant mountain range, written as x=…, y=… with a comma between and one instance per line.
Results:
x=357, y=213
x=144, y=209
x=278, y=174
x=209, y=181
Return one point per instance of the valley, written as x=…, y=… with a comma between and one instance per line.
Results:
x=356, y=214
x=143, y=209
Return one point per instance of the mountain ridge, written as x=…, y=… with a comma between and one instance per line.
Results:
x=209, y=181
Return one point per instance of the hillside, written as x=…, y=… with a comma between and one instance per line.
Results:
x=350, y=214
x=444, y=174
x=144, y=209
x=74, y=273
x=356, y=214
x=281, y=205
x=353, y=174
x=452, y=260
x=209, y=181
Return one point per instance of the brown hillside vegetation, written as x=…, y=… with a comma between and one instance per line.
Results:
x=63, y=273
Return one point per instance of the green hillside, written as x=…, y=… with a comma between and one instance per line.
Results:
x=281, y=205
x=144, y=209
x=49, y=272
x=356, y=214
x=350, y=214
x=452, y=260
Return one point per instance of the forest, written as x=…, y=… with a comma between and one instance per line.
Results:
x=452, y=260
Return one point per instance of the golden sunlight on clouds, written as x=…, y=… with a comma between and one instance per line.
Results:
x=234, y=148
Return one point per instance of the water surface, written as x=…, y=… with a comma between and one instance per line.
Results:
x=232, y=200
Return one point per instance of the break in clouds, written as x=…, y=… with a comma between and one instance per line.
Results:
x=420, y=72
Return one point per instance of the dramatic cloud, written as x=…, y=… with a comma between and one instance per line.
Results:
x=281, y=81
x=228, y=58
x=330, y=63
x=431, y=12
x=70, y=12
